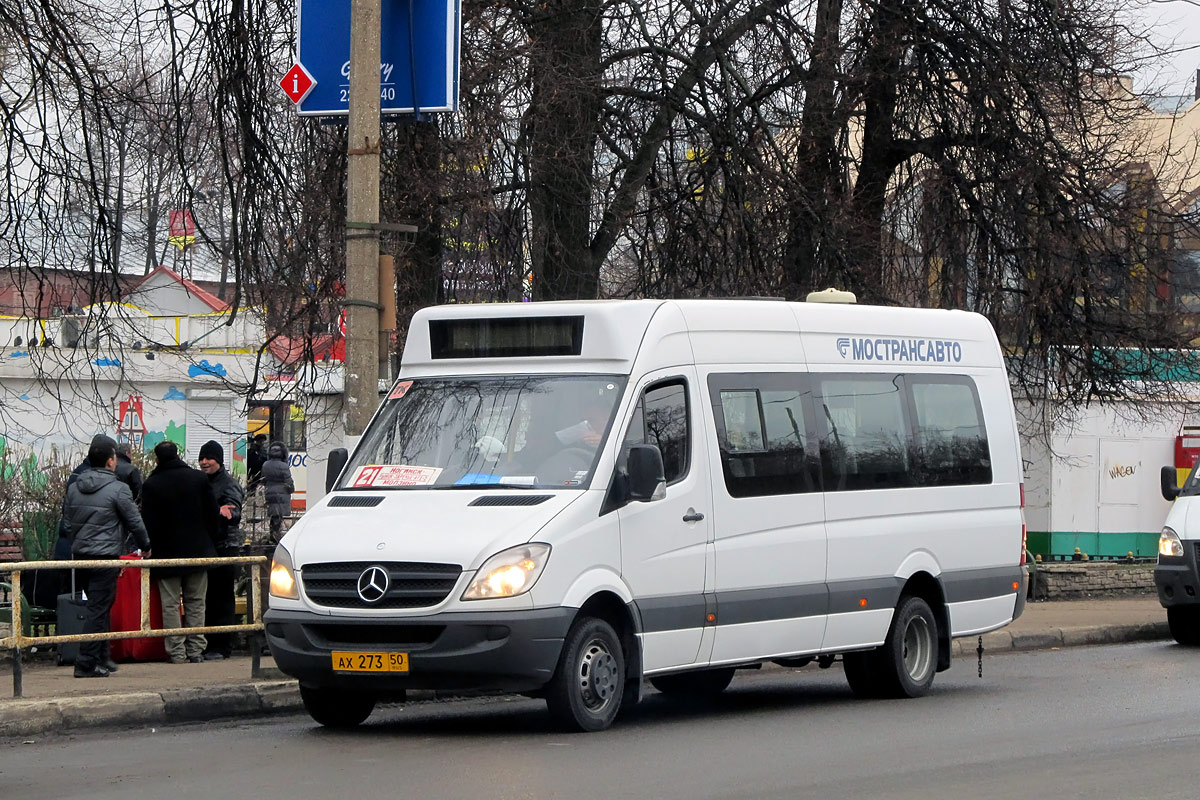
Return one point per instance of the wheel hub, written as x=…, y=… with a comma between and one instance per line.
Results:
x=918, y=649
x=598, y=678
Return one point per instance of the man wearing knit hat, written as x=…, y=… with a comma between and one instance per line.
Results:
x=219, y=601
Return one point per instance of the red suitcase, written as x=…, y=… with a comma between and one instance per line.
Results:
x=127, y=616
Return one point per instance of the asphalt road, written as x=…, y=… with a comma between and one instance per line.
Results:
x=1097, y=722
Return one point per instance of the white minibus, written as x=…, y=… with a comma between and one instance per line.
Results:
x=565, y=499
x=1177, y=574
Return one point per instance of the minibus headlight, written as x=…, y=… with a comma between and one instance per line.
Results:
x=1169, y=544
x=283, y=579
x=509, y=573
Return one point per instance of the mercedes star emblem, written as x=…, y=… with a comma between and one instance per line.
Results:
x=373, y=584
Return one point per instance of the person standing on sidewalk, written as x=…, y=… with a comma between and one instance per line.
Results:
x=219, y=601
x=278, y=487
x=180, y=511
x=98, y=514
x=256, y=456
x=128, y=472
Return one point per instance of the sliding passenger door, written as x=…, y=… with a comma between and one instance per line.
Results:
x=768, y=517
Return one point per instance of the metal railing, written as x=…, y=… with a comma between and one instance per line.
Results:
x=19, y=640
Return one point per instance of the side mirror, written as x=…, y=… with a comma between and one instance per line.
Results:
x=1168, y=478
x=338, y=457
x=646, y=478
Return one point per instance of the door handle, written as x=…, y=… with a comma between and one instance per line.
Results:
x=692, y=515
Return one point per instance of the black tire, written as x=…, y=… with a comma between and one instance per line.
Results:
x=337, y=709
x=860, y=673
x=1184, y=622
x=588, y=686
x=907, y=661
x=705, y=683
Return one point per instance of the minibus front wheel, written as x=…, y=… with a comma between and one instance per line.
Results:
x=587, y=688
x=334, y=708
x=1184, y=622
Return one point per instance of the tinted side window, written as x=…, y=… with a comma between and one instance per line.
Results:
x=661, y=418
x=865, y=440
x=762, y=432
x=951, y=437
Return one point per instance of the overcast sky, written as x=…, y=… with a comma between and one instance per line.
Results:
x=1177, y=21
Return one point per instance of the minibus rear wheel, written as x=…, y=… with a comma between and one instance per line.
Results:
x=1184, y=622
x=587, y=688
x=860, y=669
x=337, y=709
x=908, y=658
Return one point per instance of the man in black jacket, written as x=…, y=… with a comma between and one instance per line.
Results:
x=127, y=471
x=181, y=514
x=219, y=601
x=98, y=514
x=256, y=456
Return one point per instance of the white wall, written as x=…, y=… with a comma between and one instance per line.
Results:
x=1105, y=468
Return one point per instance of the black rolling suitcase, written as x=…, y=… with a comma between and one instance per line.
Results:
x=70, y=621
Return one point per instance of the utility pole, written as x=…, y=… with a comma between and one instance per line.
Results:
x=362, y=219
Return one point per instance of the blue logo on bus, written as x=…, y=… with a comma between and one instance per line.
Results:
x=932, y=351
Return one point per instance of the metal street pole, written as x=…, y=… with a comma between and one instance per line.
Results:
x=362, y=217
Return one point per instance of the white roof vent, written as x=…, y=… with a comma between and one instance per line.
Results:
x=831, y=296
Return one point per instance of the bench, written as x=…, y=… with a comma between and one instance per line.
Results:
x=35, y=620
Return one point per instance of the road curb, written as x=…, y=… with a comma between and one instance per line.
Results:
x=37, y=717
x=24, y=718
x=1054, y=638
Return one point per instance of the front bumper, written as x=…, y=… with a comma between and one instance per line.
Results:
x=1177, y=581
x=512, y=651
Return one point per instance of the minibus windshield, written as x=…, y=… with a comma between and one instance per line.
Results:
x=528, y=431
x=1191, y=486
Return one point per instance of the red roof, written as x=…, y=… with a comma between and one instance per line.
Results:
x=291, y=351
x=208, y=298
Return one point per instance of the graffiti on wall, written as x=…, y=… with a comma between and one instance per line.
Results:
x=131, y=421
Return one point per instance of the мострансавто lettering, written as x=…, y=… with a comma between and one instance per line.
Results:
x=937, y=351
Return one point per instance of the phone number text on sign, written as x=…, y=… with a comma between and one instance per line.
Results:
x=394, y=475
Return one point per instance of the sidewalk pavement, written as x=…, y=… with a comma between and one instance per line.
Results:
x=159, y=693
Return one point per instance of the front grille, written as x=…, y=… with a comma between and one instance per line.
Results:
x=355, y=501
x=334, y=636
x=410, y=584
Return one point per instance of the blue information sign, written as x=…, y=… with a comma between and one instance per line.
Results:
x=420, y=58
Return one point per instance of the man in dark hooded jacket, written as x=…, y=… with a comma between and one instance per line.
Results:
x=278, y=487
x=219, y=600
x=98, y=515
x=126, y=473
x=180, y=511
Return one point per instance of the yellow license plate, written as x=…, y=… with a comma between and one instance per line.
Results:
x=369, y=662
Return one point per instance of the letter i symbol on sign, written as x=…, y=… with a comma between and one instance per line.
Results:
x=297, y=83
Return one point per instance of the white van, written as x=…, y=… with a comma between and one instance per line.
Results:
x=1177, y=575
x=562, y=499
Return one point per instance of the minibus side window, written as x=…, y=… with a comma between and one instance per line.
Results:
x=661, y=418
x=952, y=444
x=762, y=432
x=865, y=440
